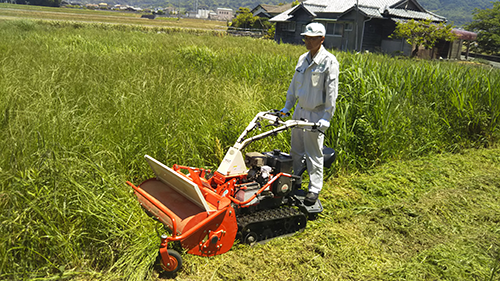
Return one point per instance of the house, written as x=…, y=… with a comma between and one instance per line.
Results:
x=213, y=15
x=199, y=14
x=353, y=25
x=170, y=11
x=63, y=3
x=91, y=6
x=124, y=8
x=133, y=9
x=224, y=14
x=269, y=11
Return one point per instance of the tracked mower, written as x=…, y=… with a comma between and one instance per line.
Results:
x=248, y=199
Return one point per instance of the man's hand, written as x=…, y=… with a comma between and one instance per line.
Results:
x=323, y=125
x=284, y=111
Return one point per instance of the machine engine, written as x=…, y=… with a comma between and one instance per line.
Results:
x=263, y=167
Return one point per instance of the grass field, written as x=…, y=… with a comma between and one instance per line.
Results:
x=413, y=196
x=12, y=11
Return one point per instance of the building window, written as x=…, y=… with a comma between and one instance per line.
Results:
x=288, y=26
x=339, y=29
x=329, y=28
x=335, y=29
x=348, y=26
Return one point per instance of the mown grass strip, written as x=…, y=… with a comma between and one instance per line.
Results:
x=434, y=218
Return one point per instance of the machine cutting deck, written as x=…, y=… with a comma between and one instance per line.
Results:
x=249, y=199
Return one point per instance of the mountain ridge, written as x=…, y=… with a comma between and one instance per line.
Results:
x=457, y=12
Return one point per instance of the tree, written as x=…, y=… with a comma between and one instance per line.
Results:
x=487, y=24
x=244, y=18
x=50, y=3
x=423, y=33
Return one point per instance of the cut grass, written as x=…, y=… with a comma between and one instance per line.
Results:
x=434, y=218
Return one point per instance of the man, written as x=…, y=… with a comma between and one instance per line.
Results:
x=314, y=88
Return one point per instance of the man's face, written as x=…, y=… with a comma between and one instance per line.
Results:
x=313, y=43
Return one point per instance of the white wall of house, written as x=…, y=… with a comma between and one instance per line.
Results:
x=224, y=14
x=203, y=14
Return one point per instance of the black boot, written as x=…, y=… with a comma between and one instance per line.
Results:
x=311, y=198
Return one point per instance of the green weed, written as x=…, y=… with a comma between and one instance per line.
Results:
x=82, y=103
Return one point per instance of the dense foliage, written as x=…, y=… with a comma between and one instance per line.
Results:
x=49, y=3
x=245, y=20
x=487, y=24
x=457, y=12
x=80, y=105
x=423, y=33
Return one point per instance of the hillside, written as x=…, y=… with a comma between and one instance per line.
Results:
x=457, y=11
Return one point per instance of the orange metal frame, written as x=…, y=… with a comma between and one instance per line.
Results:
x=205, y=233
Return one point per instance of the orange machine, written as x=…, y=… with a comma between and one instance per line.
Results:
x=247, y=200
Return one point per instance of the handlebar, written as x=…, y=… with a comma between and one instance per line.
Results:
x=278, y=121
x=279, y=113
x=273, y=116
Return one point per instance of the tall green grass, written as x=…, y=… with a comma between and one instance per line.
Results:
x=396, y=109
x=81, y=104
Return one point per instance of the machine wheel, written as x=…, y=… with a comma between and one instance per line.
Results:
x=251, y=238
x=267, y=234
x=175, y=259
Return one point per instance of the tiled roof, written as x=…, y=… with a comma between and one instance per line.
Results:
x=268, y=7
x=409, y=14
x=465, y=35
x=372, y=8
x=281, y=9
x=315, y=8
x=336, y=6
x=276, y=9
x=285, y=16
x=371, y=12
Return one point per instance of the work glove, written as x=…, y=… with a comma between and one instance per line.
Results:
x=284, y=111
x=323, y=125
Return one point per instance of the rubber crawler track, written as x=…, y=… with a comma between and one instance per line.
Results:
x=267, y=224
